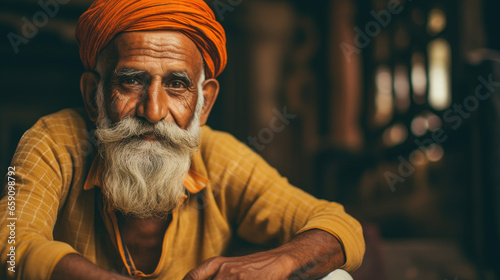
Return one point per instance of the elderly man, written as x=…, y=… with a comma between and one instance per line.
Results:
x=162, y=194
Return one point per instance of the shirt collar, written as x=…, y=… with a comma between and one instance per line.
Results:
x=194, y=182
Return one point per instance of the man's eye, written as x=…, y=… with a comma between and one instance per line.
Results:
x=131, y=81
x=176, y=84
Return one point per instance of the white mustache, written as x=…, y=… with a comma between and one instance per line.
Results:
x=129, y=128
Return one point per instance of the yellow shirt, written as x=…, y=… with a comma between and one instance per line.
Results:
x=232, y=191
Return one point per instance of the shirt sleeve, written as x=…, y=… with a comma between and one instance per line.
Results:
x=39, y=184
x=265, y=208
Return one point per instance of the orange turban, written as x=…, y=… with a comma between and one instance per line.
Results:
x=107, y=18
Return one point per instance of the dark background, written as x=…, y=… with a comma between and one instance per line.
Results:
x=358, y=115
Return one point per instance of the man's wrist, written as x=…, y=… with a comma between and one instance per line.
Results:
x=313, y=253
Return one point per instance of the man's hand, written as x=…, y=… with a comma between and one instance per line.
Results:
x=309, y=255
x=263, y=265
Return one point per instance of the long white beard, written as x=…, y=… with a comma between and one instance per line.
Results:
x=140, y=177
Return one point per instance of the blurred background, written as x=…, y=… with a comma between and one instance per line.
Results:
x=389, y=107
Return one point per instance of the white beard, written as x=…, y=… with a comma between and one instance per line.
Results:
x=140, y=177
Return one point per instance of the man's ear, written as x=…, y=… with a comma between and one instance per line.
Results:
x=88, y=86
x=210, y=91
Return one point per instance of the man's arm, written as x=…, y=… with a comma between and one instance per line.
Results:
x=309, y=255
x=265, y=208
x=44, y=167
x=36, y=189
x=76, y=267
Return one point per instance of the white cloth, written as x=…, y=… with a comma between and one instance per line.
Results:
x=338, y=274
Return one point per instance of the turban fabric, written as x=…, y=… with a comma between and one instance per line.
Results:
x=107, y=18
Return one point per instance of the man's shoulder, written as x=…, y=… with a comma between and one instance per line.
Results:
x=68, y=118
x=59, y=142
x=223, y=146
x=215, y=139
x=67, y=126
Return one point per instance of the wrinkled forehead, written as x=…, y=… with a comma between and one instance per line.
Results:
x=154, y=51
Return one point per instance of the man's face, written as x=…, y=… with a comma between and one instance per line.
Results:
x=152, y=75
x=150, y=98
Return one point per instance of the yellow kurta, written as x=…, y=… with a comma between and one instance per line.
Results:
x=233, y=191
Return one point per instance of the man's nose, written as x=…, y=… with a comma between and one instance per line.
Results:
x=153, y=105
